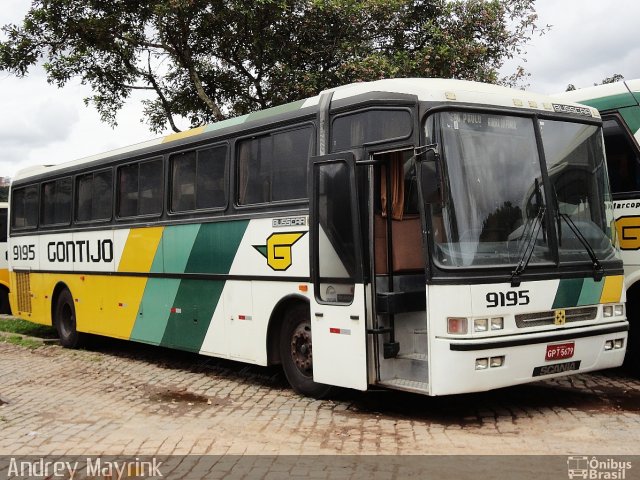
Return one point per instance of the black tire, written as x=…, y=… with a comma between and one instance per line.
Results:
x=296, y=353
x=5, y=306
x=64, y=317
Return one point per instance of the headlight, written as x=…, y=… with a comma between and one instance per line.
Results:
x=482, y=363
x=497, y=323
x=607, y=311
x=497, y=361
x=480, y=324
x=618, y=310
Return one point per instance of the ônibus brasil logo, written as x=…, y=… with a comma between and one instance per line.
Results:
x=277, y=251
x=597, y=468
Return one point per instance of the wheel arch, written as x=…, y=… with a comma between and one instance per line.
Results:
x=275, y=324
x=57, y=290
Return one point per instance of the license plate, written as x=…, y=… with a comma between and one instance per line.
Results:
x=560, y=351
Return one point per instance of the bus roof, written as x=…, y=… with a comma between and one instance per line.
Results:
x=424, y=89
x=608, y=96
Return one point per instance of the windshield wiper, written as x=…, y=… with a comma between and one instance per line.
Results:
x=529, y=247
x=598, y=271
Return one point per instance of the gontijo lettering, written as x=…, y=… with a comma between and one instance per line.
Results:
x=80, y=251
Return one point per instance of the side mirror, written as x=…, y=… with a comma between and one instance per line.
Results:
x=429, y=177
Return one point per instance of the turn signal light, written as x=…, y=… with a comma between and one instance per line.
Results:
x=457, y=326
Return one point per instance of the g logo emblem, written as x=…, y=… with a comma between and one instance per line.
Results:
x=277, y=251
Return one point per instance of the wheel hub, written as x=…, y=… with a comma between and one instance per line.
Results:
x=301, y=352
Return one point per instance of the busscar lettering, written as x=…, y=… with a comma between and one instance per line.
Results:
x=80, y=251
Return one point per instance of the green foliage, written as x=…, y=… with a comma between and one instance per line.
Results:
x=206, y=60
x=616, y=77
x=19, y=340
x=4, y=193
x=15, y=325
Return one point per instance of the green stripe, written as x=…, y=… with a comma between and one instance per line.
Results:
x=568, y=293
x=197, y=300
x=213, y=251
x=160, y=293
x=611, y=102
x=177, y=244
x=269, y=112
x=591, y=292
x=215, y=247
x=196, y=248
x=153, y=315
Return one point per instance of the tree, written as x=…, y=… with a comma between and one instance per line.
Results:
x=206, y=60
x=616, y=77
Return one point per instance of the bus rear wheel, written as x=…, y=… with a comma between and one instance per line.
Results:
x=296, y=353
x=65, y=321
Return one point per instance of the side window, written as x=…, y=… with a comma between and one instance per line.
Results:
x=94, y=196
x=24, y=207
x=273, y=167
x=140, y=189
x=198, y=179
x=622, y=158
x=369, y=126
x=56, y=202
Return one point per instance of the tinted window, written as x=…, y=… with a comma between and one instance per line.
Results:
x=94, y=193
x=198, y=179
x=56, y=202
x=274, y=167
x=24, y=207
x=3, y=224
x=622, y=160
x=369, y=126
x=140, y=189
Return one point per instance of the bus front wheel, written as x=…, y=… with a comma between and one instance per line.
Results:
x=296, y=352
x=65, y=321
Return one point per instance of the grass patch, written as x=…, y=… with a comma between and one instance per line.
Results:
x=21, y=341
x=22, y=327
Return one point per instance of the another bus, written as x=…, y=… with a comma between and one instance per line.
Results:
x=434, y=236
x=619, y=105
x=4, y=263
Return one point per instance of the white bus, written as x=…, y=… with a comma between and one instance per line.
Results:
x=434, y=236
x=619, y=105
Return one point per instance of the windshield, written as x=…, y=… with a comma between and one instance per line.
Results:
x=578, y=174
x=494, y=191
x=494, y=208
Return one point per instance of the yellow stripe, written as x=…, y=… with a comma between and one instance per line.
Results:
x=180, y=135
x=140, y=249
x=118, y=298
x=612, y=290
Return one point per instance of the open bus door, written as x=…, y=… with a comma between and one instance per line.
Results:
x=338, y=312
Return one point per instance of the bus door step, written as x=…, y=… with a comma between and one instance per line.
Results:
x=406, y=385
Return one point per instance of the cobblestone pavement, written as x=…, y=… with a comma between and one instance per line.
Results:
x=126, y=398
